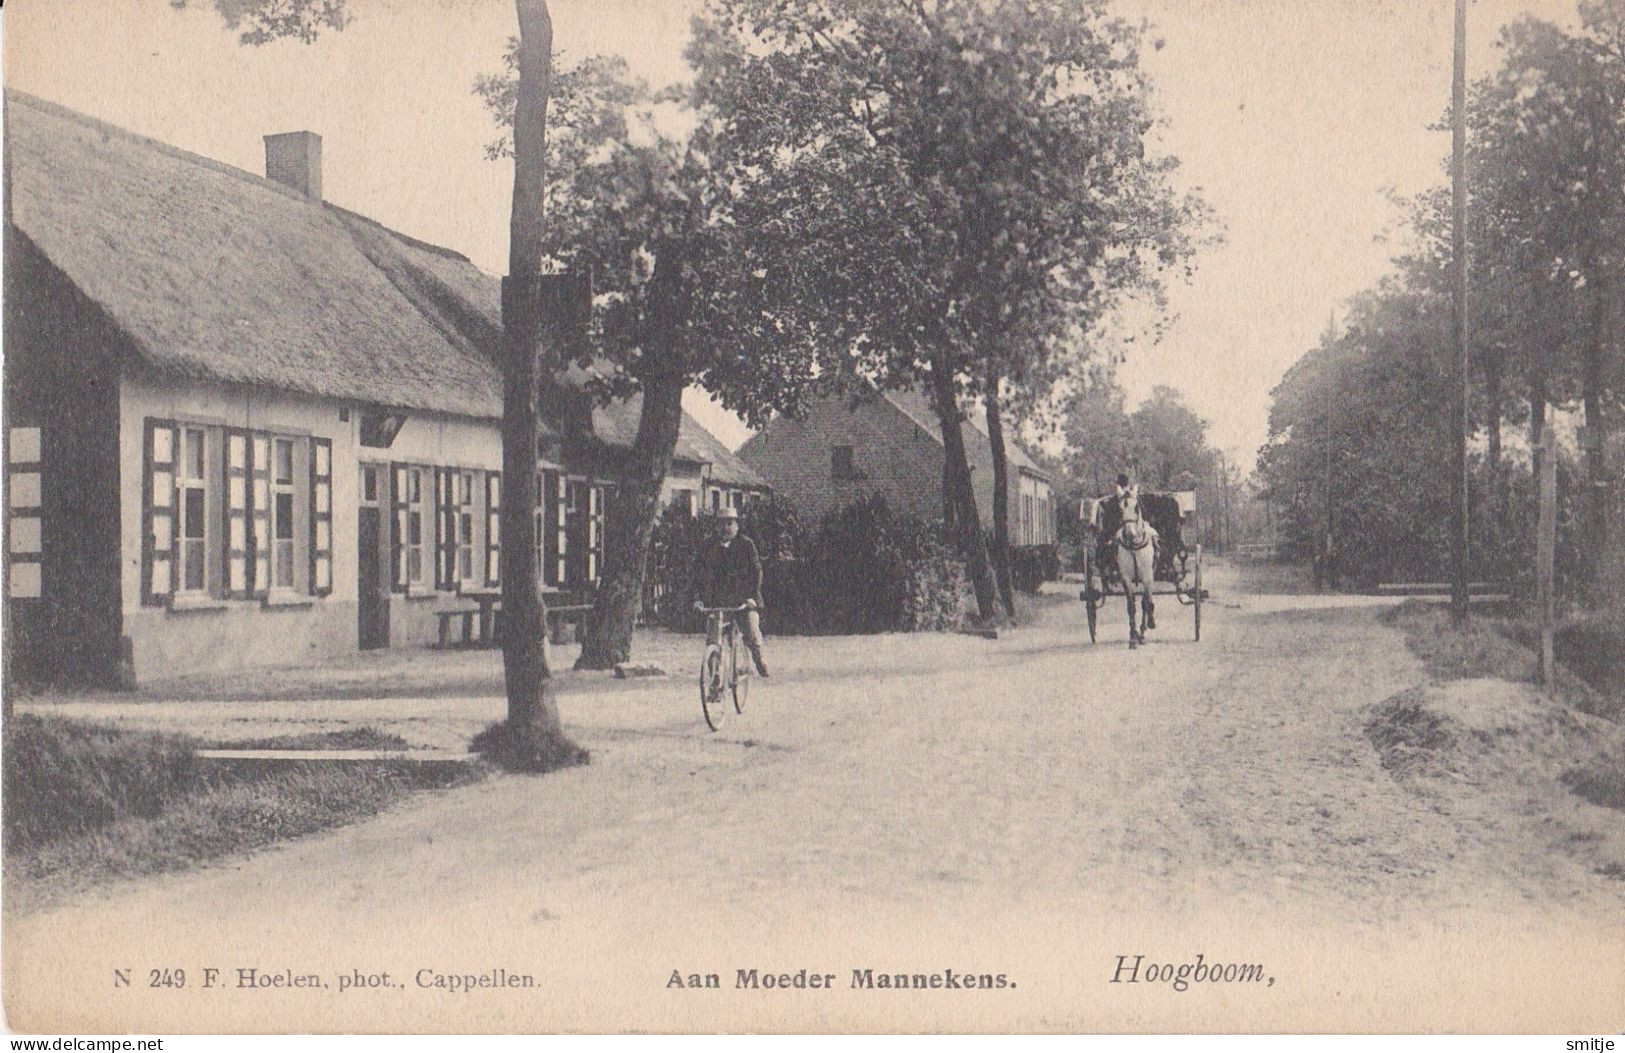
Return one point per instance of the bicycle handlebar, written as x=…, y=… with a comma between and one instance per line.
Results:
x=727, y=610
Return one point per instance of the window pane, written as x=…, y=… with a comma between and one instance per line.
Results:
x=262, y=494
x=237, y=452
x=194, y=454
x=162, y=533
x=323, y=535
x=160, y=577
x=369, y=484
x=284, y=461
x=323, y=452
x=25, y=581
x=237, y=492
x=262, y=454
x=284, y=517
x=496, y=490
x=25, y=445
x=414, y=528
x=163, y=488
x=284, y=563
x=25, y=490
x=162, y=451
x=194, y=512
x=25, y=534
x=239, y=574
x=323, y=498
x=414, y=564
x=193, y=566
x=239, y=534
x=414, y=489
x=324, y=572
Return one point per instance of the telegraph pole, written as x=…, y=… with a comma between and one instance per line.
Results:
x=1458, y=319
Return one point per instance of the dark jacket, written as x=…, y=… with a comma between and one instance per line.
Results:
x=729, y=575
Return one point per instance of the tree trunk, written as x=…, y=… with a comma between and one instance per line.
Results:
x=534, y=738
x=961, y=494
x=1596, y=504
x=1001, y=497
x=633, y=516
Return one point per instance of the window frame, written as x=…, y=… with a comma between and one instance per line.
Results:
x=19, y=464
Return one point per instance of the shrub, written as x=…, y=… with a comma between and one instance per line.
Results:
x=63, y=777
x=1032, y=565
x=866, y=569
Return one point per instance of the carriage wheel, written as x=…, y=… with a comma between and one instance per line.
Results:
x=1198, y=594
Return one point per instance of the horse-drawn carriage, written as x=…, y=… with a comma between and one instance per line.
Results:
x=1122, y=557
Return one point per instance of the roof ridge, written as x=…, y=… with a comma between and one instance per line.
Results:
x=14, y=95
x=107, y=128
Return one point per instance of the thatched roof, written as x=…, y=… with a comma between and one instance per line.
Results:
x=218, y=274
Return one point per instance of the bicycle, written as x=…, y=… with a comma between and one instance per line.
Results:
x=721, y=628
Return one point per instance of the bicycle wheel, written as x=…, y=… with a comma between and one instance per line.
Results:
x=741, y=678
x=711, y=700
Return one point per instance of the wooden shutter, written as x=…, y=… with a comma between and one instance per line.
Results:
x=445, y=509
x=239, y=503
x=321, y=517
x=493, y=528
x=550, y=498
x=397, y=534
x=160, y=449
x=259, y=510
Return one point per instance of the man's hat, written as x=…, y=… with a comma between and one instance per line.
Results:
x=728, y=513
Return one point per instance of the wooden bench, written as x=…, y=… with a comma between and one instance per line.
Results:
x=560, y=618
x=467, y=615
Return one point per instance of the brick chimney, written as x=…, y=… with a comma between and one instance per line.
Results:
x=295, y=159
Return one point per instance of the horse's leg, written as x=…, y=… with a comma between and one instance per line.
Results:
x=1150, y=609
x=1133, y=631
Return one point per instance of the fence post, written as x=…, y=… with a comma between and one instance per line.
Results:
x=1546, y=549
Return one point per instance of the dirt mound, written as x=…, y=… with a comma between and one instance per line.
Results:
x=1484, y=729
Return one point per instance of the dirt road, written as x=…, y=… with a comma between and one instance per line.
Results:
x=1034, y=806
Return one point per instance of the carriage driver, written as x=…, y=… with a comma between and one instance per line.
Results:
x=729, y=574
x=1109, y=519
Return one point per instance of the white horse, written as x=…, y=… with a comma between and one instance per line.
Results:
x=1136, y=563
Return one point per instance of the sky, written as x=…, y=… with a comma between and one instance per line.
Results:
x=1294, y=119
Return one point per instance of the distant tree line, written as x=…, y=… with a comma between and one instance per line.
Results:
x=1358, y=461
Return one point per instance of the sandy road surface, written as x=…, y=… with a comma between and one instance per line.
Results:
x=1032, y=806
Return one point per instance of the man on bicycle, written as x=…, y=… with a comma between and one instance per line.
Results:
x=729, y=574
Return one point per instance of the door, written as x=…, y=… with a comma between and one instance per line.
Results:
x=372, y=592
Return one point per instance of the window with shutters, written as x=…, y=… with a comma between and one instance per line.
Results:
x=454, y=489
x=414, y=525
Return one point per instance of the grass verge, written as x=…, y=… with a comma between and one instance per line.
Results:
x=86, y=804
x=365, y=738
x=1491, y=645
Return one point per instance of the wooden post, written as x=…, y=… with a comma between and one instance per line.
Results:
x=1546, y=548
